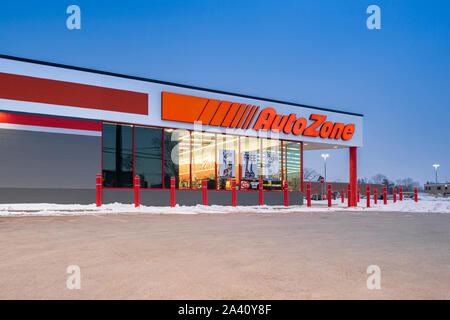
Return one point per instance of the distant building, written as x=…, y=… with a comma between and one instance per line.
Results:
x=442, y=189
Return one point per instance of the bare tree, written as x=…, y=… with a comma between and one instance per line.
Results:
x=310, y=175
x=378, y=178
x=408, y=184
x=363, y=180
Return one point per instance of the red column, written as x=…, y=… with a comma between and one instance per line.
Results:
x=385, y=194
x=329, y=194
x=205, y=191
x=353, y=176
x=308, y=194
x=286, y=195
x=342, y=196
x=375, y=196
x=261, y=200
x=349, y=195
x=233, y=192
x=98, y=187
x=301, y=166
x=172, y=191
x=368, y=196
x=400, y=189
x=394, y=192
x=137, y=187
x=415, y=194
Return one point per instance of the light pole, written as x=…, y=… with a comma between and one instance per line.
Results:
x=324, y=156
x=436, y=166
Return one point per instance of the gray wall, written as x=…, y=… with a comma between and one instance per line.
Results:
x=32, y=159
x=194, y=197
x=48, y=167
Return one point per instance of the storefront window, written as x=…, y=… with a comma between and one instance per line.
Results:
x=117, y=156
x=227, y=161
x=203, y=159
x=291, y=164
x=271, y=164
x=191, y=157
x=251, y=163
x=148, y=156
x=177, y=158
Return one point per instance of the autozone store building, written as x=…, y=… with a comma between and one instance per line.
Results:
x=62, y=125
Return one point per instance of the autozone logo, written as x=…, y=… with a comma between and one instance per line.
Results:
x=191, y=109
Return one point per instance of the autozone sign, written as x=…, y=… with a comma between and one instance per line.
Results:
x=191, y=109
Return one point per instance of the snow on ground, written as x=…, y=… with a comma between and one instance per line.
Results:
x=426, y=204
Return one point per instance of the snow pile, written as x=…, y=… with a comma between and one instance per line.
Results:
x=49, y=209
x=426, y=204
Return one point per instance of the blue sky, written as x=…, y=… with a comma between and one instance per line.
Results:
x=313, y=52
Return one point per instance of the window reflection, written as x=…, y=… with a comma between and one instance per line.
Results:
x=251, y=163
x=177, y=158
x=219, y=158
x=203, y=159
x=148, y=156
x=117, y=156
x=227, y=161
x=291, y=165
x=271, y=164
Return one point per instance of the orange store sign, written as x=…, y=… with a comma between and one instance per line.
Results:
x=190, y=109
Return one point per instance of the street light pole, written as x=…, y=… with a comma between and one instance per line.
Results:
x=324, y=156
x=436, y=166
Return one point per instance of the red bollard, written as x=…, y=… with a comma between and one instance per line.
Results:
x=415, y=194
x=286, y=194
x=172, y=191
x=349, y=195
x=137, y=187
x=261, y=199
x=329, y=194
x=233, y=192
x=357, y=194
x=308, y=194
x=394, y=192
x=205, y=191
x=400, y=189
x=375, y=196
x=368, y=195
x=385, y=194
x=342, y=196
x=98, y=187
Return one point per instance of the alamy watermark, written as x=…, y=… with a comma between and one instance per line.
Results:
x=74, y=20
x=374, y=280
x=74, y=280
x=374, y=20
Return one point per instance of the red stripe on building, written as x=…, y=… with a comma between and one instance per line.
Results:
x=25, y=88
x=230, y=115
x=238, y=115
x=53, y=122
x=253, y=116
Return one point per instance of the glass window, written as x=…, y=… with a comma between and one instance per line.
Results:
x=251, y=163
x=117, y=156
x=291, y=164
x=227, y=161
x=203, y=159
x=271, y=164
x=148, y=156
x=177, y=158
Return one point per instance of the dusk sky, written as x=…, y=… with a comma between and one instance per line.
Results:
x=318, y=53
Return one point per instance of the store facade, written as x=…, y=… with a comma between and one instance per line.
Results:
x=62, y=125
